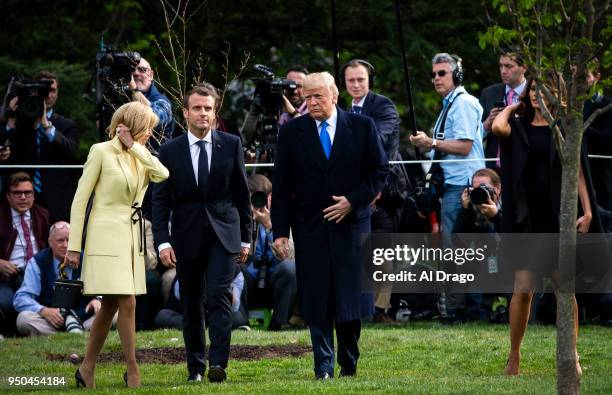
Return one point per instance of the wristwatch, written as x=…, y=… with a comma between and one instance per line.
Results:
x=434, y=143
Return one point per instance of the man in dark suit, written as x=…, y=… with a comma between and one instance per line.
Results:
x=329, y=167
x=52, y=140
x=211, y=223
x=495, y=97
x=358, y=79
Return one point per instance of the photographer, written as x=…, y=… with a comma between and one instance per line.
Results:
x=480, y=213
x=38, y=135
x=480, y=204
x=24, y=228
x=270, y=279
x=294, y=104
x=144, y=90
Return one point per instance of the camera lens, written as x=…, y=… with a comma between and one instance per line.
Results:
x=259, y=199
x=479, y=195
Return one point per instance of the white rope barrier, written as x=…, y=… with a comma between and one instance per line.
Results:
x=252, y=165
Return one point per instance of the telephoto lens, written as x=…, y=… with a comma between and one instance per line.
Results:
x=72, y=322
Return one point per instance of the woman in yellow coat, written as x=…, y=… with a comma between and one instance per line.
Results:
x=116, y=175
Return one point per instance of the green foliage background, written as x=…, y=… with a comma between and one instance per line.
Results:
x=64, y=36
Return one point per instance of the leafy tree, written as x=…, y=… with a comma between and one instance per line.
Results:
x=560, y=37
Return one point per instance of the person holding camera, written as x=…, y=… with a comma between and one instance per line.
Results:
x=294, y=104
x=145, y=91
x=481, y=204
x=38, y=134
x=271, y=279
x=24, y=230
x=495, y=97
x=33, y=300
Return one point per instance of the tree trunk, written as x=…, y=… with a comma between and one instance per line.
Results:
x=568, y=381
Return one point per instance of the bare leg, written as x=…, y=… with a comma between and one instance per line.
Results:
x=126, y=325
x=97, y=337
x=520, y=307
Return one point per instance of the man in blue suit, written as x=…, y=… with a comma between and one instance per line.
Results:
x=209, y=199
x=329, y=167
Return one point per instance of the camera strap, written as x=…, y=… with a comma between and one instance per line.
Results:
x=440, y=133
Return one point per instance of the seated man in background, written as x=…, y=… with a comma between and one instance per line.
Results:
x=271, y=280
x=33, y=300
x=24, y=228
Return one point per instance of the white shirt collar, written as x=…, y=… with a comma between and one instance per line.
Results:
x=17, y=215
x=331, y=121
x=193, y=139
x=519, y=89
x=360, y=102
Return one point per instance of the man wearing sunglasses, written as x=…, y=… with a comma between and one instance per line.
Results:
x=459, y=136
x=146, y=92
x=24, y=229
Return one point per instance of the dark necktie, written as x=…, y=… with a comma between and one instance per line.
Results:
x=357, y=109
x=202, y=166
x=28, y=239
x=40, y=140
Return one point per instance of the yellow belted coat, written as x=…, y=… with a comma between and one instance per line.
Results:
x=113, y=257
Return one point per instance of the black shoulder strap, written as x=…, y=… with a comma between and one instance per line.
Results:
x=439, y=134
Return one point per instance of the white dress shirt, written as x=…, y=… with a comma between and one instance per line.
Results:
x=18, y=254
x=194, y=149
x=331, y=125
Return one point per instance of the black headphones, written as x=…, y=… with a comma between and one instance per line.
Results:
x=458, y=72
x=354, y=63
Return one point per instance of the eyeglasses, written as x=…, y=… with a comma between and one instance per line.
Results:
x=60, y=226
x=439, y=73
x=142, y=69
x=22, y=193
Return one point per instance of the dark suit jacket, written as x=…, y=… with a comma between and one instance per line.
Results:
x=383, y=112
x=226, y=203
x=8, y=234
x=59, y=185
x=327, y=254
x=488, y=96
x=599, y=142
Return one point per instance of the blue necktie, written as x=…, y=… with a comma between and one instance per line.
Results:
x=325, y=139
x=357, y=109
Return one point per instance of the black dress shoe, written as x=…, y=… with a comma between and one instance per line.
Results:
x=348, y=372
x=324, y=376
x=216, y=374
x=194, y=377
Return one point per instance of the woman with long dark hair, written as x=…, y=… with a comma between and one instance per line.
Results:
x=531, y=195
x=115, y=177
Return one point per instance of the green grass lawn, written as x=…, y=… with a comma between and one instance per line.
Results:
x=417, y=358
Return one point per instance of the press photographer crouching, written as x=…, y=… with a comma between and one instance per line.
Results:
x=34, y=299
x=270, y=279
x=481, y=213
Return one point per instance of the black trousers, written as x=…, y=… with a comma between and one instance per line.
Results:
x=207, y=277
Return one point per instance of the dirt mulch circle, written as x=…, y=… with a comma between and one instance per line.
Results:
x=175, y=355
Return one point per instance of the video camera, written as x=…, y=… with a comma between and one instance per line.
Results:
x=113, y=75
x=268, y=103
x=31, y=94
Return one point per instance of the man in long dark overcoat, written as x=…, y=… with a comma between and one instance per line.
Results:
x=329, y=167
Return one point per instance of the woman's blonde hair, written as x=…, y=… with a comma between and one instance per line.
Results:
x=138, y=117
